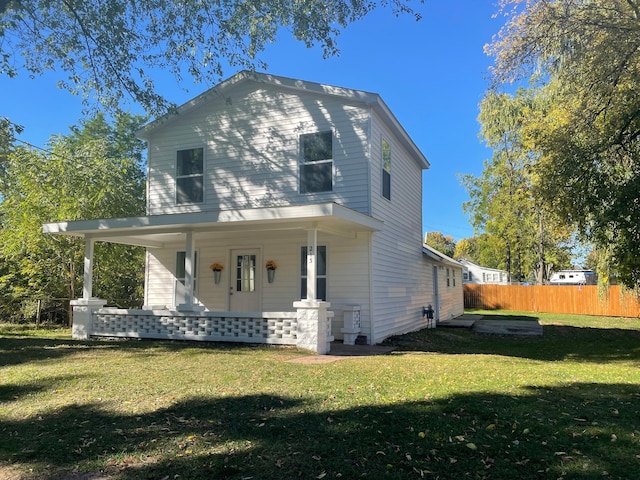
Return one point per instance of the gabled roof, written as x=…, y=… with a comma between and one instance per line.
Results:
x=438, y=256
x=372, y=100
x=468, y=263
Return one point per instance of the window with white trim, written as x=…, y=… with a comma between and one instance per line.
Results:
x=316, y=162
x=180, y=288
x=321, y=272
x=386, y=169
x=190, y=176
x=246, y=273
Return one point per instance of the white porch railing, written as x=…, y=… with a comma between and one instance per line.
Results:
x=259, y=327
x=309, y=327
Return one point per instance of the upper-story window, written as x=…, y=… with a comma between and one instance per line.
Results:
x=316, y=162
x=190, y=176
x=386, y=169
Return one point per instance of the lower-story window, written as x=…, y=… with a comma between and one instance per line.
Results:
x=321, y=273
x=180, y=289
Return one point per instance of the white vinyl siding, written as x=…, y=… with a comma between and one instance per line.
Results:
x=400, y=276
x=251, y=141
x=347, y=259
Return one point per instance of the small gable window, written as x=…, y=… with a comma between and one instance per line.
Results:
x=386, y=169
x=190, y=176
x=316, y=162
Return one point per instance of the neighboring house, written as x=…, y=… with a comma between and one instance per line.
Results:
x=320, y=180
x=473, y=273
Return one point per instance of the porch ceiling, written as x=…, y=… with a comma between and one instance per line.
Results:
x=157, y=230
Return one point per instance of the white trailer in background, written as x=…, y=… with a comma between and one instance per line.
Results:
x=574, y=277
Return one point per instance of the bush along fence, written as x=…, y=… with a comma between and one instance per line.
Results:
x=576, y=299
x=45, y=310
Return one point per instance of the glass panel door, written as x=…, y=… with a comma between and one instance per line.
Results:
x=244, y=291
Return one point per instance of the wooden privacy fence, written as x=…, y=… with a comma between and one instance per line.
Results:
x=578, y=299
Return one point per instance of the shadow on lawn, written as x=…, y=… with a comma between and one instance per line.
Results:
x=16, y=350
x=579, y=431
x=558, y=342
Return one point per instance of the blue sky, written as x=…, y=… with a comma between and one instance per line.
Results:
x=431, y=73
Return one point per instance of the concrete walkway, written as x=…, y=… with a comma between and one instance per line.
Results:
x=340, y=351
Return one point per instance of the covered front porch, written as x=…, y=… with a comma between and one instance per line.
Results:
x=212, y=310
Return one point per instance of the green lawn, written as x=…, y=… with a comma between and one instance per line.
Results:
x=447, y=404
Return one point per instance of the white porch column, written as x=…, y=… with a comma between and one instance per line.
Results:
x=189, y=263
x=85, y=308
x=314, y=324
x=312, y=263
x=87, y=284
x=83, y=311
x=189, y=270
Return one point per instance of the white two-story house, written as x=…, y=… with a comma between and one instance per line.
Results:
x=319, y=181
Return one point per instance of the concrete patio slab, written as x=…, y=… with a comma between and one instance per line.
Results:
x=464, y=321
x=507, y=327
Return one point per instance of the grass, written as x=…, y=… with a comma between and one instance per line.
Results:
x=447, y=404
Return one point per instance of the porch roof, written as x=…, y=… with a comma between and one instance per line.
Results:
x=157, y=230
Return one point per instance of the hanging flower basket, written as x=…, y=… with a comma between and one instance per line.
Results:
x=217, y=272
x=271, y=270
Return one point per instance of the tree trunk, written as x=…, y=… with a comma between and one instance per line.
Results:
x=508, y=263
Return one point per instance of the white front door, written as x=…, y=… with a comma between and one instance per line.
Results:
x=244, y=291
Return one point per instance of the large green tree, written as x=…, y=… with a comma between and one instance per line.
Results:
x=503, y=202
x=110, y=48
x=585, y=58
x=443, y=243
x=484, y=249
x=94, y=172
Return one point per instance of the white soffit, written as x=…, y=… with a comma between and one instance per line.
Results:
x=156, y=230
